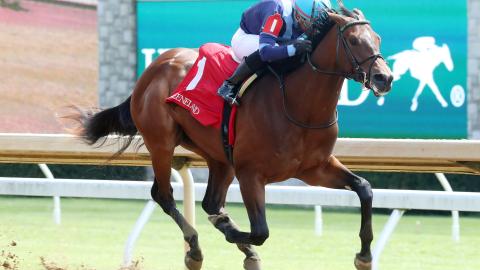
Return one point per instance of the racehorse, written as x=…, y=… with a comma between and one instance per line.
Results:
x=422, y=62
x=269, y=147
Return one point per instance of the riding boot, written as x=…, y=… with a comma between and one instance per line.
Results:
x=231, y=86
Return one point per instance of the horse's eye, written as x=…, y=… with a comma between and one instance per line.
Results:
x=354, y=41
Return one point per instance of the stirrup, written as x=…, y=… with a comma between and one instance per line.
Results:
x=232, y=101
x=228, y=92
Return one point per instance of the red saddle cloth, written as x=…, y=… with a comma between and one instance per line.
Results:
x=198, y=90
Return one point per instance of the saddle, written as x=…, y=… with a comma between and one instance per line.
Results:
x=197, y=93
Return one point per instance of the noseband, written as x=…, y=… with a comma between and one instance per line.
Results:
x=358, y=74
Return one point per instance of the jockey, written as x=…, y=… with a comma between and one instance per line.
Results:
x=262, y=28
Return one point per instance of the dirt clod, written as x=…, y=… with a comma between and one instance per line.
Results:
x=9, y=261
x=134, y=265
x=50, y=265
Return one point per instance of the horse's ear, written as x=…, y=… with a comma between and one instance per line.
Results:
x=338, y=19
x=359, y=13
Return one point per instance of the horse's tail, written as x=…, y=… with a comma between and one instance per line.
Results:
x=116, y=120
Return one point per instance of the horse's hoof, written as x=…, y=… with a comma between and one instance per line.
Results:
x=252, y=263
x=192, y=264
x=362, y=263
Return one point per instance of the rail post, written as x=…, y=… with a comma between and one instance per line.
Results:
x=385, y=236
x=318, y=220
x=455, y=214
x=57, y=211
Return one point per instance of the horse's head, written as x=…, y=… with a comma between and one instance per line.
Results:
x=361, y=45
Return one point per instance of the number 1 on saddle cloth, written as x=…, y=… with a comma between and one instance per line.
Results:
x=197, y=92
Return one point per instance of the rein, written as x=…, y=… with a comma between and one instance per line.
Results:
x=358, y=75
x=285, y=109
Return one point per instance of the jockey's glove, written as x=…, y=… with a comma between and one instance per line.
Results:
x=302, y=46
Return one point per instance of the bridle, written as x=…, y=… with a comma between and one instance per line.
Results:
x=358, y=74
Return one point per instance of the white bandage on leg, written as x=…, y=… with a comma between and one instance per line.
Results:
x=243, y=44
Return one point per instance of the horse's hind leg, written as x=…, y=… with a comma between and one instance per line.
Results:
x=335, y=175
x=219, y=179
x=162, y=193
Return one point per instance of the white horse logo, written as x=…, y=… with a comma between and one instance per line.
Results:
x=425, y=57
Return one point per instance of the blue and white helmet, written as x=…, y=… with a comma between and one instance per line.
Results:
x=305, y=11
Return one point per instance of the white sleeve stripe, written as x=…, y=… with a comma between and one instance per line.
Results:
x=272, y=29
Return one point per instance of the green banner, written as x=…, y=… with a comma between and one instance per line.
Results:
x=424, y=42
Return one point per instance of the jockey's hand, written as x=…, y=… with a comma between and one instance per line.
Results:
x=302, y=46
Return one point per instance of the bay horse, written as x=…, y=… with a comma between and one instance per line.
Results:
x=269, y=146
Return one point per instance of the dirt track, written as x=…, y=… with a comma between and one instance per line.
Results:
x=10, y=261
x=48, y=60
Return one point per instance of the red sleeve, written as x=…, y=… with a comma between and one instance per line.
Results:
x=273, y=25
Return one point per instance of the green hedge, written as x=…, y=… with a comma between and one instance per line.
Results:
x=75, y=171
x=421, y=181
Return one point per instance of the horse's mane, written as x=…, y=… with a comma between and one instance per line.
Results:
x=323, y=24
x=345, y=11
x=320, y=28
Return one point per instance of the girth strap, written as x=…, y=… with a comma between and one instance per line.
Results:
x=227, y=110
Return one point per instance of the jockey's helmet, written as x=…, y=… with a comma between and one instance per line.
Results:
x=305, y=11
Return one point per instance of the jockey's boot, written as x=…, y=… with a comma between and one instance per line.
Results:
x=231, y=86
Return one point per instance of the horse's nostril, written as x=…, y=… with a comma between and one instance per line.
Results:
x=380, y=78
x=390, y=79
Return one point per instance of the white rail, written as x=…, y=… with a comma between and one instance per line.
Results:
x=283, y=195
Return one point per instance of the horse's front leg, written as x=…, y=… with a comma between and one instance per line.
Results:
x=252, y=188
x=253, y=193
x=224, y=223
x=334, y=174
x=219, y=179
